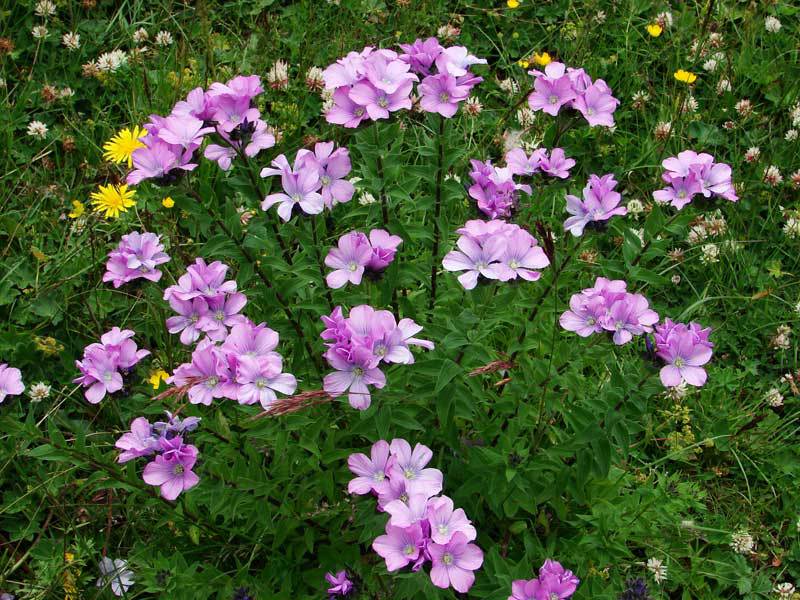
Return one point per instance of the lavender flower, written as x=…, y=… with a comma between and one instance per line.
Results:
x=136, y=256
x=10, y=382
x=600, y=203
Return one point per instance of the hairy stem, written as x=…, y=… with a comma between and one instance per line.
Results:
x=437, y=209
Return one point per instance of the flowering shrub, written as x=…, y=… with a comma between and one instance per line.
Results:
x=239, y=218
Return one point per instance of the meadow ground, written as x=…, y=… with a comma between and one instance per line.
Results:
x=600, y=372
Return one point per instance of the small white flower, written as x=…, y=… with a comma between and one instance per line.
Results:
x=690, y=105
x=37, y=129
x=473, y=106
x=791, y=135
x=791, y=228
x=723, y=86
x=677, y=392
x=752, y=155
x=676, y=279
x=509, y=86
x=115, y=573
x=794, y=115
x=140, y=35
x=278, y=75
x=784, y=590
x=664, y=19
x=163, y=39
x=710, y=254
x=366, y=199
x=635, y=207
x=772, y=175
x=72, y=41
x=774, y=398
x=710, y=65
x=39, y=32
x=110, y=62
x=657, y=567
x=772, y=25
x=45, y=8
x=39, y=391
x=66, y=92
x=697, y=234
x=742, y=542
x=314, y=80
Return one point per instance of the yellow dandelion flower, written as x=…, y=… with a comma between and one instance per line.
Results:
x=113, y=200
x=156, y=377
x=685, y=76
x=78, y=208
x=512, y=3
x=654, y=29
x=168, y=202
x=542, y=59
x=523, y=63
x=120, y=148
x=47, y=345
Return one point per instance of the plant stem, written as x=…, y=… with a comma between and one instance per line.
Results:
x=320, y=263
x=381, y=190
x=437, y=209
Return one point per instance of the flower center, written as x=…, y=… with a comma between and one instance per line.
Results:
x=296, y=197
x=408, y=473
x=553, y=99
x=177, y=470
x=679, y=362
x=358, y=371
x=212, y=381
x=513, y=264
x=325, y=180
x=352, y=266
x=481, y=265
x=447, y=558
x=590, y=111
x=443, y=529
x=378, y=476
x=383, y=102
x=359, y=112
x=444, y=97
x=261, y=383
x=408, y=550
x=219, y=315
x=108, y=376
x=682, y=194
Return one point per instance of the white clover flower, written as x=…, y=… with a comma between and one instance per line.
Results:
x=314, y=79
x=791, y=228
x=710, y=254
x=39, y=391
x=772, y=24
x=742, y=542
x=140, y=35
x=635, y=207
x=473, y=106
x=71, y=40
x=710, y=65
x=509, y=86
x=794, y=115
x=774, y=398
x=723, y=86
x=753, y=154
x=365, y=199
x=664, y=19
x=675, y=279
x=785, y=590
x=278, y=75
x=657, y=567
x=163, y=39
x=791, y=135
x=690, y=105
x=39, y=32
x=45, y=8
x=37, y=129
x=772, y=175
x=525, y=117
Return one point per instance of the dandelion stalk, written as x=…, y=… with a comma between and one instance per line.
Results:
x=437, y=208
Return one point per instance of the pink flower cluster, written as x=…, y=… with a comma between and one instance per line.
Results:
x=205, y=302
x=171, y=469
x=494, y=189
x=689, y=174
x=355, y=253
x=554, y=163
x=600, y=203
x=373, y=83
x=684, y=349
x=10, y=382
x=136, y=256
x=315, y=181
x=423, y=526
x=359, y=343
x=105, y=363
x=554, y=583
x=560, y=86
x=495, y=250
x=608, y=306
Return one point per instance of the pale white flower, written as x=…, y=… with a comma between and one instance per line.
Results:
x=163, y=39
x=525, y=117
x=45, y=8
x=664, y=19
x=690, y=105
x=366, y=199
x=39, y=391
x=774, y=398
x=791, y=135
x=116, y=574
x=452, y=176
x=37, y=129
x=772, y=25
x=71, y=40
x=791, y=228
x=710, y=65
x=39, y=32
x=785, y=591
x=600, y=17
x=635, y=207
x=66, y=92
x=697, y=234
x=772, y=175
x=314, y=80
x=662, y=130
x=753, y=154
x=742, y=542
x=278, y=75
x=448, y=31
x=640, y=98
x=677, y=392
x=723, y=86
x=676, y=279
x=794, y=115
x=657, y=567
x=710, y=254
x=509, y=86
x=782, y=338
x=140, y=35
x=110, y=62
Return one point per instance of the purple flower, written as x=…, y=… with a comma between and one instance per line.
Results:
x=223, y=312
x=136, y=256
x=597, y=105
x=441, y=94
x=260, y=377
x=157, y=161
x=10, y=382
x=585, y=315
x=355, y=371
x=378, y=103
x=370, y=470
x=600, y=203
x=552, y=90
x=101, y=364
x=454, y=563
x=139, y=441
x=175, y=425
x=232, y=111
x=174, y=475
x=629, y=316
x=410, y=466
x=298, y=189
x=556, y=164
x=387, y=74
x=520, y=163
x=406, y=513
x=348, y=260
x=187, y=322
x=384, y=247
x=522, y=257
x=561, y=582
x=421, y=54
x=690, y=173
x=203, y=280
x=345, y=111
x=476, y=259
x=681, y=190
x=332, y=167
x=445, y=522
x=340, y=584
x=208, y=375
x=183, y=130
x=247, y=339
x=456, y=60
x=684, y=349
x=400, y=546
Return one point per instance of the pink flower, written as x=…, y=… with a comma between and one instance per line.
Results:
x=685, y=349
x=454, y=563
x=370, y=471
x=344, y=111
x=400, y=546
x=299, y=189
x=476, y=260
x=445, y=522
x=355, y=371
x=139, y=441
x=348, y=260
x=384, y=247
x=441, y=94
x=260, y=377
x=378, y=103
x=410, y=466
x=173, y=475
x=556, y=164
x=10, y=382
